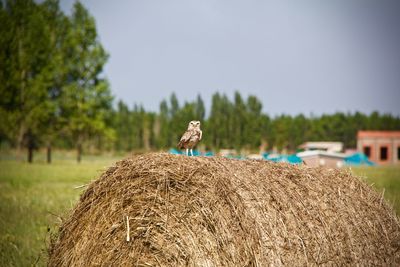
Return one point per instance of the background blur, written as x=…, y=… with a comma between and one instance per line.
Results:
x=96, y=76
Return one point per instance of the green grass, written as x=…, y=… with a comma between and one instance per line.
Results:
x=30, y=197
x=385, y=178
x=31, y=193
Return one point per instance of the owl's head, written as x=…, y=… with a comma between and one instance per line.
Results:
x=194, y=125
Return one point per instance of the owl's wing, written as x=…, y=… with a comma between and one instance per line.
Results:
x=185, y=137
x=201, y=134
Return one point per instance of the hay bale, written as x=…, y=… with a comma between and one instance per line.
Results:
x=196, y=211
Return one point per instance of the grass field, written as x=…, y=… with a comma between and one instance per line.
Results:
x=33, y=195
x=385, y=179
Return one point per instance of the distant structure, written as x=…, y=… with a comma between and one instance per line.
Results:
x=324, y=146
x=326, y=154
x=320, y=158
x=382, y=147
x=226, y=152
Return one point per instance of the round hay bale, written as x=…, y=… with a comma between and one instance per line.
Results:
x=197, y=211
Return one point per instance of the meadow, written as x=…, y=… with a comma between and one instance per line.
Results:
x=34, y=198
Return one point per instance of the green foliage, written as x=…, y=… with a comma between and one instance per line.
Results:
x=163, y=124
x=124, y=128
x=240, y=124
x=86, y=99
x=385, y=179
x=50, y=76
x=26, y=73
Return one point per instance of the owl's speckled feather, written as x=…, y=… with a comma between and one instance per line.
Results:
x=191, y=137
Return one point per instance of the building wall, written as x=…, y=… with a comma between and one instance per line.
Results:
x=375, y=143
x=323, y=161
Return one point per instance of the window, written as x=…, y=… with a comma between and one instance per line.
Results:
x=367, y=151
x=384, y=153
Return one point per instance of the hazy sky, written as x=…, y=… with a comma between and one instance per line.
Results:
x=308, y=56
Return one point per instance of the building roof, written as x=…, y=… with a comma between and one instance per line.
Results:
x=332, y=146
x=313, y=153
x=381, y=134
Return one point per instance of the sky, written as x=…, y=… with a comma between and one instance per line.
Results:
x=296, y=56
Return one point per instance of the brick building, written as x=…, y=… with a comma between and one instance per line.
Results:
x=382, y=147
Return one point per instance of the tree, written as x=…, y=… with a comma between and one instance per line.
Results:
x=253, y=129
x=174, y=103
x=175, y=122
x=149, y=130
x=220, y=125
x=281, y=131
x=123, y=127
x=240, y=121
x=164, y=139
x=56, y=27
x=300, y=131
x=26, y=53
x=86, y=97
x=200, y=110
x=266, y=131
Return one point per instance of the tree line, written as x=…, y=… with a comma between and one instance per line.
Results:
x=53, y=93
x=51, y=85
x=239, y=124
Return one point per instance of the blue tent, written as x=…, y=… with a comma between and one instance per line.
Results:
x=180, y=152
x=275, y=158
x=209, y=154
x=292, y=159
x=175, y=152
x=358, y=159
x=265, y=155
x=196, y=153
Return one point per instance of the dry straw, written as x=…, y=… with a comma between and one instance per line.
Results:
x=197, y=211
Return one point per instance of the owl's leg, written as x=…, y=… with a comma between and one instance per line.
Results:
x=191, y=151
x=187, y=151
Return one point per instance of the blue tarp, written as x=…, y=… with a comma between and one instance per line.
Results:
x=235, y=157
x=175, y=152
x=195, y=153
x=293, y=159
x=182, y=152
x=358, y=159
x=209, y=154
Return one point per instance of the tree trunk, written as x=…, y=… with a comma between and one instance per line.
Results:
x=20, y=142
x=22, y=81
x=30, y=153
x=48, y=153
x=79, y=147
x=31, y=145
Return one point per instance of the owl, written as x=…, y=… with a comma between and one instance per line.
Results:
x=191, y=137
